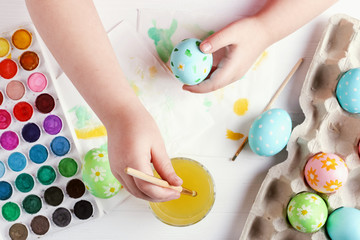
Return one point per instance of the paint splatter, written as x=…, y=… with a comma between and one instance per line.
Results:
x=241, y=106
x=140, y=72
x=86, y=125
x=162, y=40
x=233, y=135
x=207, y=103
x=262, y=57
x=99, y=131
x=152, y=71
x=82, y=114
x=198, y=32
x=135, y=88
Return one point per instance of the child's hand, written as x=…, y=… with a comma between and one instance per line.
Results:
x=134, y=141
x=235, y=48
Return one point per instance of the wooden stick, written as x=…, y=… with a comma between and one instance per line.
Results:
x=272, y=100
x=159, y=182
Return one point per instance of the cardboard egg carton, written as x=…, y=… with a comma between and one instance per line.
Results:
x=326, y=128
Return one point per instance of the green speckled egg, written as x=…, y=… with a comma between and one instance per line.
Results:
x=190, y=65
x=307, y=212
x=97, y=175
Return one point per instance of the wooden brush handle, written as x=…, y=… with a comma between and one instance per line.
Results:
x=151, y=179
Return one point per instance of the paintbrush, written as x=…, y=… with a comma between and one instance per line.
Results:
x=159, y=182
x=272, y=100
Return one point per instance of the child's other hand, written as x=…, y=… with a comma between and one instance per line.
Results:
x=235, y=48
x=134, y=141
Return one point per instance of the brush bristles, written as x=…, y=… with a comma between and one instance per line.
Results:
x=189, y=192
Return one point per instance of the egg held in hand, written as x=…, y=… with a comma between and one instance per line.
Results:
x=307, y=212
x=270, y=132
x=188, y=63
x=326, y=172
x=97, y=175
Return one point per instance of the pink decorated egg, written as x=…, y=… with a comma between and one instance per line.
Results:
x=326, y=172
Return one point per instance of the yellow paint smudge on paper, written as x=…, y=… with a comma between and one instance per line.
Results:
x=219, y=94
x=262, y=57
x=99, y=131
x=241, y=106
x=135, y=88
x=152, y=71
x=233, y=135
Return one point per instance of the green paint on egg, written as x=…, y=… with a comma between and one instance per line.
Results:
x=172, y=64
x=198, y=80
x=194, y=68
x=204, y=59
x=188, y=53
x=307, y=212
x=97, y=175
x=197, y=43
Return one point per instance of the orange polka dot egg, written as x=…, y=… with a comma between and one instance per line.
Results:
x=326, y=172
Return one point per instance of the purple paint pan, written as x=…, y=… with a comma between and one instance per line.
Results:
x=52, y=124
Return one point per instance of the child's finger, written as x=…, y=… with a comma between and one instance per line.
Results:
x=163, y=166
x=224, y=74
x=218, y=40
x=147, y=191
x=155, y=193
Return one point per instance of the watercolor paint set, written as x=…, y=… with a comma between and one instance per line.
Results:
x=41, y=190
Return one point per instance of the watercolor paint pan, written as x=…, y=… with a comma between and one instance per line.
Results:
x=41, y=190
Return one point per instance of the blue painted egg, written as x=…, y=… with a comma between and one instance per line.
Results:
x=344, y=224
x=188, y=63
x=270, y=132
x=348, y=91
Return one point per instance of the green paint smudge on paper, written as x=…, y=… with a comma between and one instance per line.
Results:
x=208, y=34
x=207, y=103
x=198, y=31
x=162, y=40
x=87, y=126
x=83, y=116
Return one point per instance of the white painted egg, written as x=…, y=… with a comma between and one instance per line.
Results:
x=348, y=91
x=188, y=63
x=270, y=132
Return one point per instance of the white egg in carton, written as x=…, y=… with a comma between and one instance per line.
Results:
x=327, y=128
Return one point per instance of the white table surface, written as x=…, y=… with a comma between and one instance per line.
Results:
x=237, y=182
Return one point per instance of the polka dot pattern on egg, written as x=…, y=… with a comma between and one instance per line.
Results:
x=270, y=132
x=348, y=91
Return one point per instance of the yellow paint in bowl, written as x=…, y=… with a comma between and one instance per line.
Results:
x=187, y=210
x=21, y=39
x=4, y=47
